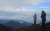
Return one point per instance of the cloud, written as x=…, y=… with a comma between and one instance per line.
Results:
x=47, y=1
x=12, y=13
x=20, y=13
x=44, y=7
x=16, y=9
x=20, y=2
x=12, y=10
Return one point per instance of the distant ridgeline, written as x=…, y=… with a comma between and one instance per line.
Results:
x=8, y=20
x=17, y=25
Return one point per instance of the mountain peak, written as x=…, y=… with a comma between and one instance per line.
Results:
x=21, y=22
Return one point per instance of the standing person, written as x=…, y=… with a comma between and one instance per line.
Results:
x=35, y=18
x=43, y=16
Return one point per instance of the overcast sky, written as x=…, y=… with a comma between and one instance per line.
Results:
x=23, y=9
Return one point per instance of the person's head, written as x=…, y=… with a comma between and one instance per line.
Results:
x=35, y=13
x=42, y=11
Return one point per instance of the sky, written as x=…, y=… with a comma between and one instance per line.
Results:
x=24, y=9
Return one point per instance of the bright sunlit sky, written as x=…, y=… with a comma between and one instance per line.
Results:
x=23, y=9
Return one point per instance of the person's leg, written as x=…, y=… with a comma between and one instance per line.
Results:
x=34, y=22
x=43, y=24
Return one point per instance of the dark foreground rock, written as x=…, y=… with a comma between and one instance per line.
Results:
x=35, y=28
x=28, y=28
x=5, y=28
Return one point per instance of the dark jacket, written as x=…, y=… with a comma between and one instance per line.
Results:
x=43, y=15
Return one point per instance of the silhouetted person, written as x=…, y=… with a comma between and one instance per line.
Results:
x=35, y=18
x=43, y=16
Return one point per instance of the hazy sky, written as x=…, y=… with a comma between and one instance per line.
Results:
x=23, y=9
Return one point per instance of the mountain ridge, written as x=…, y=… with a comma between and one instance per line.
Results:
x=17, y=25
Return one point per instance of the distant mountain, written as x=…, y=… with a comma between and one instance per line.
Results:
x=4, y=20
x=27, y=28
x=17, y=25
x=8, y=20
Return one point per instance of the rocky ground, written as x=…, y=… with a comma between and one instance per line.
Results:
x=28, y=28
